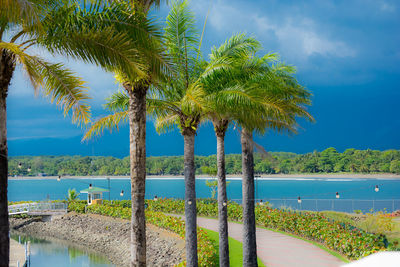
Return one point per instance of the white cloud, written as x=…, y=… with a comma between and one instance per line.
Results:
x=304, y=38
x=387, y=7
x=298, y=36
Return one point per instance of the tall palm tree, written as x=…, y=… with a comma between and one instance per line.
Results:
x=176, y=101
x=114, y=35
x=51, y=79
x=281, y=100
x=129, y=29
x=223, y=93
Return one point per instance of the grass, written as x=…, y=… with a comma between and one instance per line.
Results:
x=393, y=236
x=339, y=216
x=235, y=249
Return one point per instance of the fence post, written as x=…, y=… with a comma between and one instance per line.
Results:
x=316, y=204
x=352, y=205
x=333, y=204
x=373, y=205
x=26, y=251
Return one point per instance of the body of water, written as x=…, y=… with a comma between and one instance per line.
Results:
x=53, y=253
x=265, y=188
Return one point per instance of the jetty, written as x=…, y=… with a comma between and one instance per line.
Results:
x=18, y=254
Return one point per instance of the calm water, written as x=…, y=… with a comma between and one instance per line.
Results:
x=51, y=253
x=174, y=188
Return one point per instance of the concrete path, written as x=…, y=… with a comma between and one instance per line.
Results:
x=17, y=254
x=276, y=249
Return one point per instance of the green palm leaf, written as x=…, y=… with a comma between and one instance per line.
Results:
x=55, y=81
x=110, y=122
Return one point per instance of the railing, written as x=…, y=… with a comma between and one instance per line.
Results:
x=343, y=205
x=36, y=207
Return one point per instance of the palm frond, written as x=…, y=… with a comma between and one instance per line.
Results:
x=193, y=100
x=55, y=81
x=26, y=13
x=110, y=122
x=118, y=101
x=166, y=123
x=181, y=37
x=113, y=37
x=237, y=46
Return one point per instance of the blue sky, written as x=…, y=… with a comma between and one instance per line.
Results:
x=347, y=54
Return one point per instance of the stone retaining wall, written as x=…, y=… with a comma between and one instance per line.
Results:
x=105, y=235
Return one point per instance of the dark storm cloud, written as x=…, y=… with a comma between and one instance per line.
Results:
x=346, y=52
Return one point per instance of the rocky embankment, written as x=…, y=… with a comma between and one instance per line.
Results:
x=105, y=235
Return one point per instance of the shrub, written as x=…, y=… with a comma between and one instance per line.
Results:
x=77, y=206
x=378, y=222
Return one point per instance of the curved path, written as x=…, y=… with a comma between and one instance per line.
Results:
x=276, y=249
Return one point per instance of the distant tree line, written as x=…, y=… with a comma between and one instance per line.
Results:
x=327, y=161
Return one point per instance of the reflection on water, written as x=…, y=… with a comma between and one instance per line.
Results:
x=51, y=253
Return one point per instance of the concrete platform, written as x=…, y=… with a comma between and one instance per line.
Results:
x=17, y=254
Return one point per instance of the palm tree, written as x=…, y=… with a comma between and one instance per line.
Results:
x=176, y=101
x=114, y=35
x=223, y=93
x=50, y=79
x=128, y=29
x=280, y=101
x=257, y=96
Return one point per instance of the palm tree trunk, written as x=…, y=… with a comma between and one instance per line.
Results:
x=7, y=66
x=220, y=130
x=4, y=226
x=249, y=220
x=137, y=124
x=190, y=200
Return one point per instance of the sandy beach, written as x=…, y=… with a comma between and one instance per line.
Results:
x=233, y=176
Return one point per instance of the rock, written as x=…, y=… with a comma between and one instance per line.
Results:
x=107, y=236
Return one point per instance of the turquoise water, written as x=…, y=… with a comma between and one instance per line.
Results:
x=51, y=253
x=283, y=188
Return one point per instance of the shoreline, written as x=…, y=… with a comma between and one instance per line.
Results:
x=103, y=235
x=230, y=176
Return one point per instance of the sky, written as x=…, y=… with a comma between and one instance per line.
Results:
x=347, y=53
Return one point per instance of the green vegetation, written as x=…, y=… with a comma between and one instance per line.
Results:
x=347, y=239
x=72, y=195
x=341, y=234
x=327, y=161
x=235, y=249
x=379, y=223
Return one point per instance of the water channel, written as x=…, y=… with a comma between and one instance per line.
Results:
x=46, y=252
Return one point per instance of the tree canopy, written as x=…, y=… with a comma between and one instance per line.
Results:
x=327, y=161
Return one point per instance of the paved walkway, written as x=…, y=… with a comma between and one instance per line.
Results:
x=17, y=254
x=276, y=249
